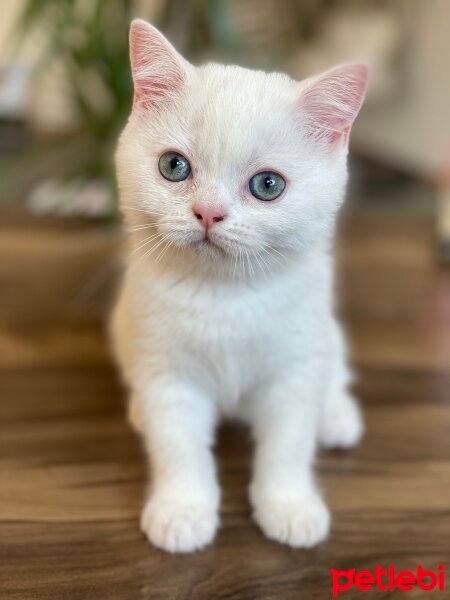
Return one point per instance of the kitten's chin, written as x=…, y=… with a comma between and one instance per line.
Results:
x=210, y=249
x=206, y=249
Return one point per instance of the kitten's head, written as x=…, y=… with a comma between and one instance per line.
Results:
x=231, y=168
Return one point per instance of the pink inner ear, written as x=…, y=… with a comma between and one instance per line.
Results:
x=332, y=101
x=158, y=70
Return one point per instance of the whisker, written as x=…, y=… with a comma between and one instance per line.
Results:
x=151, y=251
x=164, y=250
x=274, y=250
x=140, y=227
x=261, y=263
x=146, y=242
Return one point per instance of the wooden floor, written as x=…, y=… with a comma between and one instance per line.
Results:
x=72, y=474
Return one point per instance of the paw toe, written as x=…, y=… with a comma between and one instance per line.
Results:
x=178, y=527
x=300, y=524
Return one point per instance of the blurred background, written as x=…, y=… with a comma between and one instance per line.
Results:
x=71, y=472
x=65, y=87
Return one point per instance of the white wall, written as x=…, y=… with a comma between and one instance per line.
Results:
x=414, y=131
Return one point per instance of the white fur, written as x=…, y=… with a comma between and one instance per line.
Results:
x=244, y=328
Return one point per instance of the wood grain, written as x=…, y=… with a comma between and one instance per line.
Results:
x=73, y=476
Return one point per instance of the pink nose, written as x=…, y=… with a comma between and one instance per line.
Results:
x=209, y=215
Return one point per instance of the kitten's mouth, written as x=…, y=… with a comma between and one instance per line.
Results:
x=207, y=241
x=207, y=244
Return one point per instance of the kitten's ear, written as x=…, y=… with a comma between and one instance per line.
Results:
x=158, y=69
x=332, y=101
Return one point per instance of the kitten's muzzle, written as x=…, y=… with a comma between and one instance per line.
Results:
x=209, y=215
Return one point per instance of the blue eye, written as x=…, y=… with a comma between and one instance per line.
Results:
x=266, y=185
x=174, y=167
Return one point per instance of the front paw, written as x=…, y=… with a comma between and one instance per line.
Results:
x=300, y=523
x=341, y=425
x=178, y=526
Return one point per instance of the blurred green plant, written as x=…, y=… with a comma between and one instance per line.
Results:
x=90, y=38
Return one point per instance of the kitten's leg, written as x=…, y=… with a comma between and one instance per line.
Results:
x=286, y=503
x=341, y=424
x=177, y=421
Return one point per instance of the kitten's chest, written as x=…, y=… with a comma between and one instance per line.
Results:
x=218, y=320
x=228, y=328
x=226, y=339
x=230, y=338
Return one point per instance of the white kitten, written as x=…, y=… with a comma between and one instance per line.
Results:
x=230, y=181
